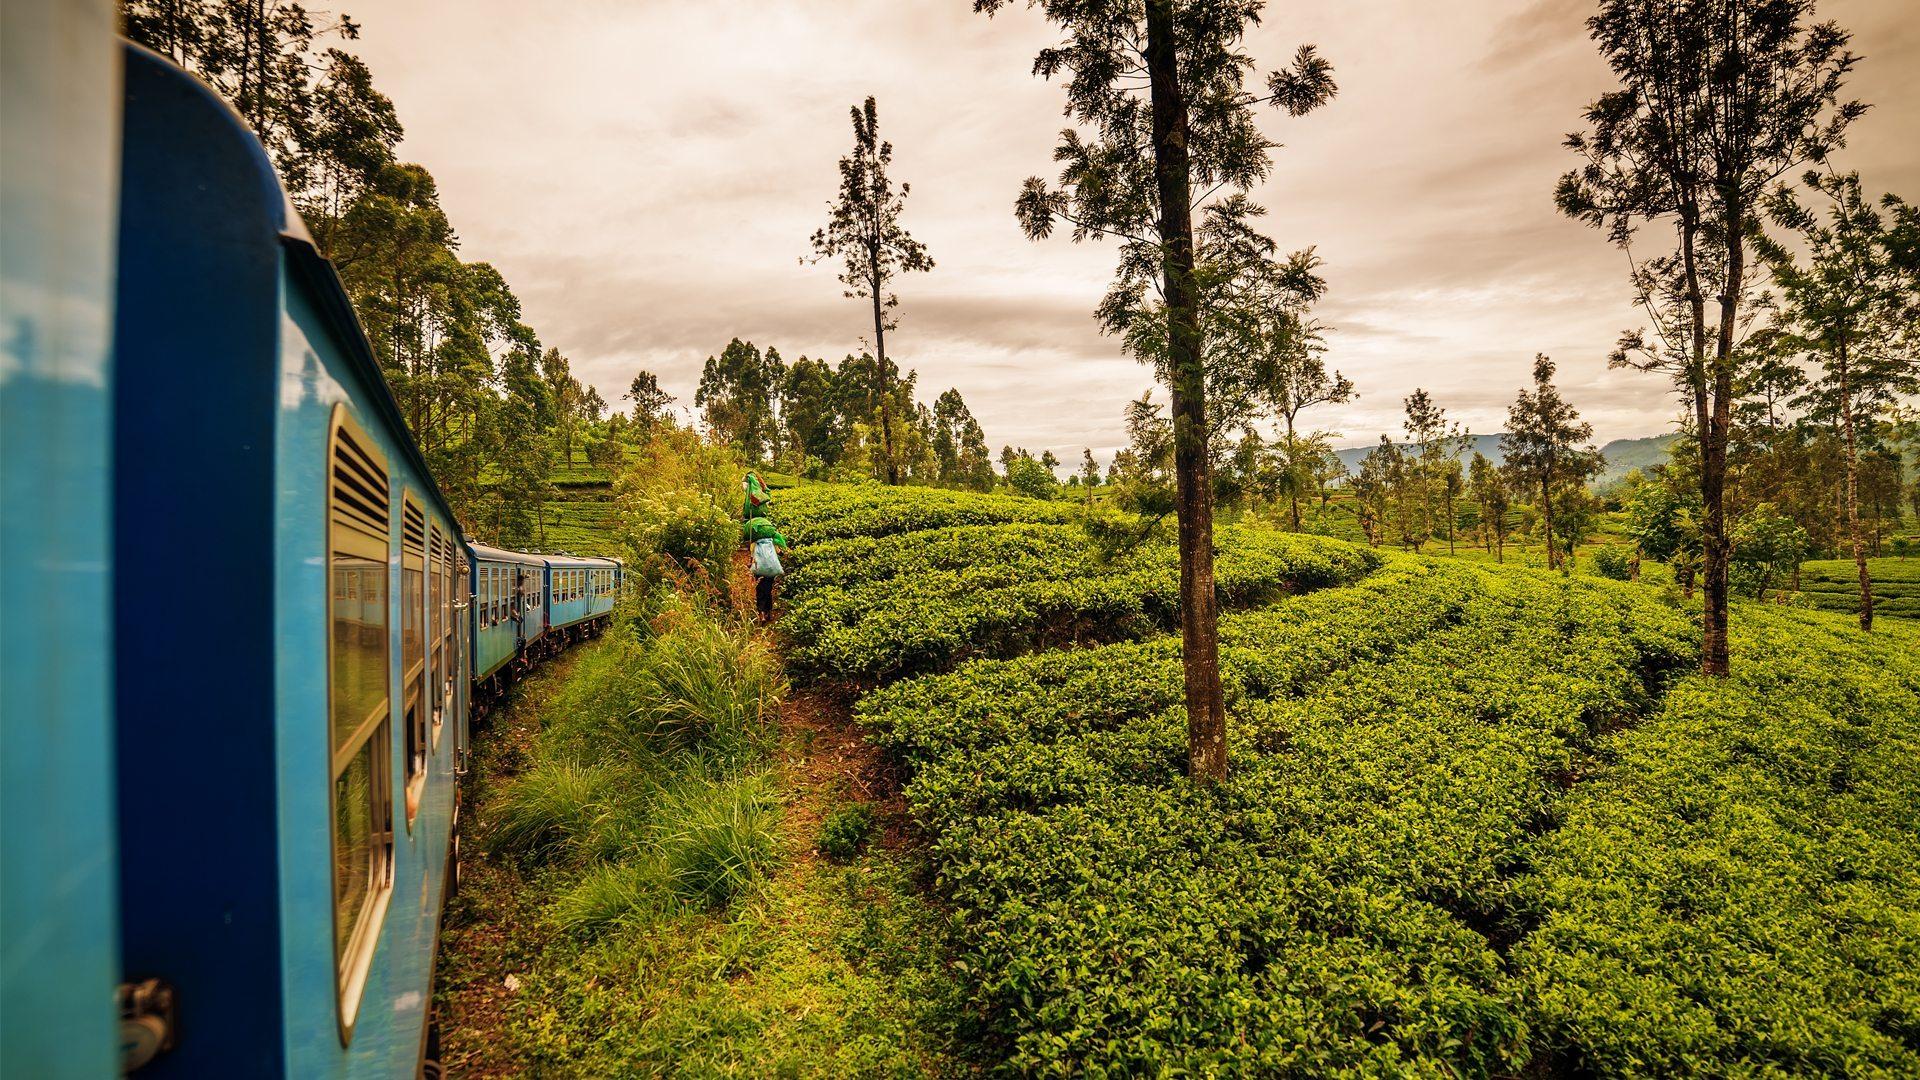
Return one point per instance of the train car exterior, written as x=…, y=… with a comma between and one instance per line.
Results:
x=580, y=593
x=292, y=664
x=59, y=962
x=507, y=614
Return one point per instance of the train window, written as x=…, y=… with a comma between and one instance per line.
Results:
x=437, y=627
x=357, y=693
x=413, y=658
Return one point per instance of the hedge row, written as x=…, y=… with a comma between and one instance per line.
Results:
x=1465, y=833
x=879, y=607
x=1337, y=904
x=817, y=512
x=1740, y=891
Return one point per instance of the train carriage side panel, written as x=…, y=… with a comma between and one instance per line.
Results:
x=59, y=948
x=195, y=395
x=368, y=776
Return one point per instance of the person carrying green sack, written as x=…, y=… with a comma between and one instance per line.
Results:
x=757, y=498
x=766, y=543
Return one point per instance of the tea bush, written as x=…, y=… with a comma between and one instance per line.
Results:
x=831, y=511
x=873, y=608
x=1741, y=885
x=1336, y=904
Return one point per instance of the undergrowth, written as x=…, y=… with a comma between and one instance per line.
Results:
x=647, y=907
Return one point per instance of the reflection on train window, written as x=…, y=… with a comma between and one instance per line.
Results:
x=357, y=691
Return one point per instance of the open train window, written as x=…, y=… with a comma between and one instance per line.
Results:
x=360, y=751
x=413, y=657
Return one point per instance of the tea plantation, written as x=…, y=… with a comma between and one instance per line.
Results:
x=1480, y=821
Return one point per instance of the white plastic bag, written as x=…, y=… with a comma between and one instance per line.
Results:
x=766, y=561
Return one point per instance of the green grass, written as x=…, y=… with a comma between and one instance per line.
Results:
x=649, y=908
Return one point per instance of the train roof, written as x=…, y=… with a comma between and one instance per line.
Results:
x=579, y=560
x=494, y=554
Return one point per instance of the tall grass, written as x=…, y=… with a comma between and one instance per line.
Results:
x=649, y=777
x=703, y=686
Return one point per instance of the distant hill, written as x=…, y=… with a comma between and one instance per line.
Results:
x=1622, y=455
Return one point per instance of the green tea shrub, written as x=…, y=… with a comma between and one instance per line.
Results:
x=1614, y=562
x=831, y=511
x=1737, y=892
x=873, y=608
x=1340, y=903
x=846, y=830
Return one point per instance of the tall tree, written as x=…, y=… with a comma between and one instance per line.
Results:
x=1430, y=444
x=1851, y=305
x=1717, y=100
x=1161, y=86
x=1089, y=472
x=863, y=231
x=1489, y=491
x=736, y=396
x=1548, y=448
x=650, y=402
x=809, y=412
x=1294, y=378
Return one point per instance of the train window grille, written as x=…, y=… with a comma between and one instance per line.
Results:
x=413, y=659
x=360, y=758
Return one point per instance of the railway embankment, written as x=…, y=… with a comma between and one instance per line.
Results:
x=646, y=888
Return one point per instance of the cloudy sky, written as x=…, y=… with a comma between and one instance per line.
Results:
x=647, y=172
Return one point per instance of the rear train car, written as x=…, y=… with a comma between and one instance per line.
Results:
x=580, y=595
x=509, y=616
x=289, y=616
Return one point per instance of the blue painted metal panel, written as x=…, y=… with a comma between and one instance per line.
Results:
x=59, y=107
x=195, y=396
x=392, y=1010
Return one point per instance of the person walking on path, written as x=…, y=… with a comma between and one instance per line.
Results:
x=764, y=541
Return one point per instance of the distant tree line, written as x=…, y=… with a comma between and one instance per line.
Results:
x=845, y=420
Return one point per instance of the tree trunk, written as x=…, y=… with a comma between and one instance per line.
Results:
x=1546, y=515
x=1853, y=493
x=1715, y=548
x=886, y=391
x=1199, y=617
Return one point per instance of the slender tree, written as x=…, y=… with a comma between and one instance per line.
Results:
x=1089, y=472
x=650, y=402
x=1717, y=100
x=1294, y=378
x=1548, y=447
x=1489, y=491
x=863, y=231
x=1159, y=87
x=1851, y=305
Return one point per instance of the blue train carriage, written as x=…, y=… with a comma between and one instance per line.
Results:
x=292, y=657
x=59, y=953
x=580, y=595
x=508, y=617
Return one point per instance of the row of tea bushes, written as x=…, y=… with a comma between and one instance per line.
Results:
x=874, y=608
x=817, y=512
x=1740, y=890
x=1338, y=905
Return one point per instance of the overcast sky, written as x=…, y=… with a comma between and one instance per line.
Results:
x=647, y=173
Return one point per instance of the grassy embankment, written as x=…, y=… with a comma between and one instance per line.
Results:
x=645, y=890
